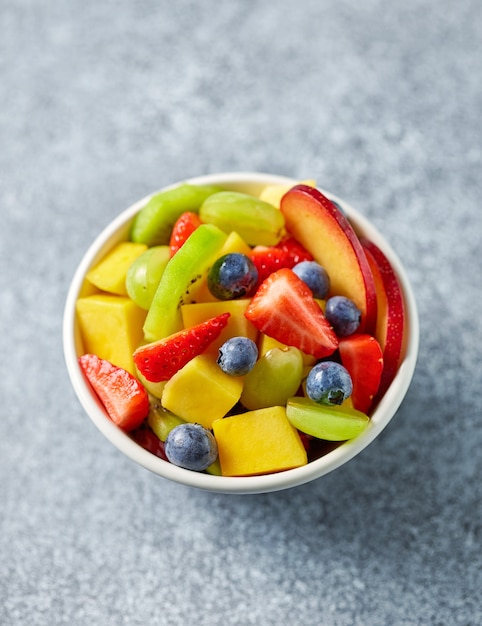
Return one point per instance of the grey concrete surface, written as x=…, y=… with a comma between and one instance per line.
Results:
x=102, y=103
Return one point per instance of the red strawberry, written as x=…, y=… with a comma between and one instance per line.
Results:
x=363, y=358
x=124, y=398
x=185, y=225
x=268, y=259
x=295, y=251
x=284, y=308
x=162, y=359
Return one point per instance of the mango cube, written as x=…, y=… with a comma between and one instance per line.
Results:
x=235, y=243
x=274, y=193
x=267, y=343
x=258, y=442
x=111, y=327
x=238, y=325
x=110, y=274
x=201, y=392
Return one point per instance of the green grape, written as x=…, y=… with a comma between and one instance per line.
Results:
x=215, y=468
x=162, y=421
x=144, y=275
x=256, y=221
x=153, y=224
x=275, y=377
x=333, y=423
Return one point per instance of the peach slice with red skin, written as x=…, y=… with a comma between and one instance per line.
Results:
x=391, y=313
x=325, y=232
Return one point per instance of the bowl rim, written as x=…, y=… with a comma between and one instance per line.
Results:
x=116, y=231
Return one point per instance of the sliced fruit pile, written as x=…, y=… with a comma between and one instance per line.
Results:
x=241, y=335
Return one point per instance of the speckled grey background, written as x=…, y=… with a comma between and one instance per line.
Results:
x=104, y=102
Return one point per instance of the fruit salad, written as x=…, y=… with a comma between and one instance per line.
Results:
x=240, y=335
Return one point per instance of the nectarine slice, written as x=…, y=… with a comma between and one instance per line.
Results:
x=391, y=313
x=326, y=233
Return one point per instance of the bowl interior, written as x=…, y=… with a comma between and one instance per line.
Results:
x=117, y=231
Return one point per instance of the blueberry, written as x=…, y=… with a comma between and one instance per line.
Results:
x=237, y=356
x=191, y=446
x=315, y=276
x=232, y=276
x=343, y=315
x=329, y=383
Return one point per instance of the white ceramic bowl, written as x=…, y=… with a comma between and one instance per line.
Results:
x=117, y=231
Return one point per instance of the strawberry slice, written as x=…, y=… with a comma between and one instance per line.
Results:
x=287, y=253
x=184, y=226
x=161, y=359
x=294, y=251
x=269, y=259
x=124, y=398
x=362, y=356
x=284, y=308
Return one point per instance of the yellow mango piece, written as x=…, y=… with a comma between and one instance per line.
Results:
x=274, y=193
x=258, y=442
x=321, y=304
x=110, y=274
x=266, y=343
x=88, y=289
x=233, y=243
x=111, y=327
x=237, y=326
x=348, y=403
x=201, y=392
